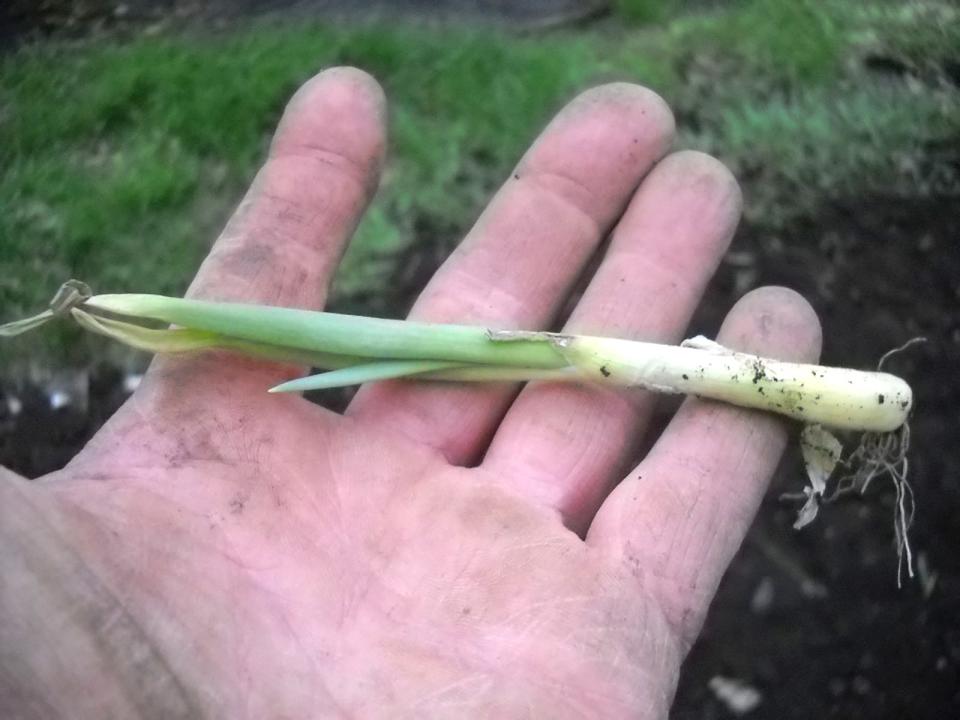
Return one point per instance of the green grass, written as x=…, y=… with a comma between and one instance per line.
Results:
x=120, y=159
x=641, y=12
x=821, y=145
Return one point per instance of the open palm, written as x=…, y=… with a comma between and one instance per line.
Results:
x=440, y=550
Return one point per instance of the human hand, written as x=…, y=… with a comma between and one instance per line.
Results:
x=440, y=550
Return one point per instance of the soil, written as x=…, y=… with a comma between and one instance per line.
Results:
x=812, y=620
x=26, y=19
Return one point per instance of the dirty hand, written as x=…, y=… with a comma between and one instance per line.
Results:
x=439, y=550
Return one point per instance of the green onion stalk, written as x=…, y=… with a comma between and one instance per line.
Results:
x=351, y=350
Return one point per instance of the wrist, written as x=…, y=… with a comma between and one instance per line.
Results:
x=68, y=648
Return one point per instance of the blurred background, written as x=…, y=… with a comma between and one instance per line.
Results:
x=129, y=130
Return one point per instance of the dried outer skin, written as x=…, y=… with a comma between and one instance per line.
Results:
x=835, y=397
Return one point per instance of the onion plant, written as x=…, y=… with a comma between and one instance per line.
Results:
x=352, y=350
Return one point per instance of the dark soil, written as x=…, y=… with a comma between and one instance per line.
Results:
x=813, y=620
x=26, y=19
x=879, y=272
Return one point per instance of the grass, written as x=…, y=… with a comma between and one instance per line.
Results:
x=122, y=157
x=642, y=12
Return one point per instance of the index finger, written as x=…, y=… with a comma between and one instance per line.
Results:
x=285, y=239
x=519, y=262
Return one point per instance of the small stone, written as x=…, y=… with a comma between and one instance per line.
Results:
x=861, y=686
x=14, y=406
x=131, y=382
x=59, y=399
x=737, y=695
x=762, y=598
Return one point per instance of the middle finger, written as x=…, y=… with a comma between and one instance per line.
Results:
x=518, y=263
x=560, y=444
